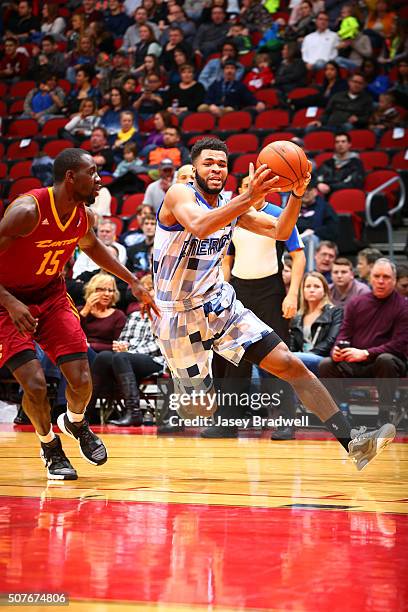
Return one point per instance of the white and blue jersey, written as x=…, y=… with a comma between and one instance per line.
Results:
x=199, y=310
x=187, y=270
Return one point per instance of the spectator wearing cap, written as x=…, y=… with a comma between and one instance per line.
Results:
x=210, y=36
x=228, y=94
x=376, y=326
x=116, y=20
x=132, y=34
x=317, y=221
x=172, y=149
x=321, y=46
x=44, y=101
x=342, y=171
x=14, y=63
x=344, y=285
x=155, y=192
x=214, y=68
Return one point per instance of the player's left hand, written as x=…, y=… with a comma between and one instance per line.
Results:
x=300, y=187
x=147, y=303
x=353, y=355
x=289, y=306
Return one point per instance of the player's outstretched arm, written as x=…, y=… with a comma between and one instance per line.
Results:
x=97, y=251
x=19, y=220
x=280, y=228
x=179, y=206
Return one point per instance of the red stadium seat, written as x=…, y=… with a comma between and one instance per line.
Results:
x=21, y=89
x=3, y=109
x=133, y=224
x=374, y=159
x=114, y=205
x=388, y=140
x=231, y=183
x=302, y=92
x=23, y=128
x=3, y=89
x=268, y=95
x=274, y=198
x=235, y=121
x=52, y=126
x=54, y=147
x=15, y=151
x=3, y=170
x=65, y=85
x=362, y=140
x=322, y=157
x=1, y=149
x=301, y=120
x=241, y=163
x=20, y=169
x=318, y=141
x=400, y=161
x=247, y=59
x=194, y=139
x=277, y=136
x=379, y=177
x=23, y=185
x=242, y=143
x=106, y=179
x=272, y=119
x=131, y=204
x=119, y=224
x=16, y=107
x=350, y=202
x=198, y=122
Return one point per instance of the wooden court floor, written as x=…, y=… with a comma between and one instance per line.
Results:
x=187, y=524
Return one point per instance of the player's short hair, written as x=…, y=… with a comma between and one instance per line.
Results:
x=343, y=261
x=209, y=142
x=68, y=159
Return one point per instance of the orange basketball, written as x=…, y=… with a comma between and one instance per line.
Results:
x=286, y=160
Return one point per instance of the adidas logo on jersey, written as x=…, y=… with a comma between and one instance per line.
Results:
x=45, y=222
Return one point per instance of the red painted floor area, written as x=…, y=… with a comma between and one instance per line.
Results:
x=285, y=558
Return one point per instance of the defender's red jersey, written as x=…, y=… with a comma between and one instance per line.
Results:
x=33, y=262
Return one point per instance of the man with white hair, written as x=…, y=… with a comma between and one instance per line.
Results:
x=375, y=325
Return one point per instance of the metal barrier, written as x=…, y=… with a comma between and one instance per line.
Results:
x=385, y=218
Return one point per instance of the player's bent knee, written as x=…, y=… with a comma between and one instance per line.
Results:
x=81, y=383
x=35, y=388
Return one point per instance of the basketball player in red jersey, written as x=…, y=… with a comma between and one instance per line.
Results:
x=38, y=235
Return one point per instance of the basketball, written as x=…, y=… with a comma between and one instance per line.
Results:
x=286, y=160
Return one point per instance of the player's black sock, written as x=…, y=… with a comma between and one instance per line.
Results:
x=339, y=427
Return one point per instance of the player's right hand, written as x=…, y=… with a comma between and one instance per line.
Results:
x=22, y=318
x=261, y=181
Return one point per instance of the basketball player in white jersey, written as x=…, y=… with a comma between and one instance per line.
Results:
x=199, y=310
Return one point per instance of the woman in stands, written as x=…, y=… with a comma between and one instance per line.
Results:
x=84, y=53
x=110, y=112
x=150, y=65
x=146, y=45
x=82, y=123
x=51, y=23
x=186, y=95
x=78, y=30
x=135, y=356
x=291, y=72
x=83, y=89
x=332, y=84
x=313, y=330
x=100, y=320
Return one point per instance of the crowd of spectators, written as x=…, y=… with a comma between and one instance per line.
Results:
x=126, y=74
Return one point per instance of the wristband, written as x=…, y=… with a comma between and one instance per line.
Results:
x=296, y=196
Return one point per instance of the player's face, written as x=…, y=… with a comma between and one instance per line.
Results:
x=211, y=171
x=87, y=182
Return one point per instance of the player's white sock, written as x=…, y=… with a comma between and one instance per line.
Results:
x=47, y=438
x=74, y=417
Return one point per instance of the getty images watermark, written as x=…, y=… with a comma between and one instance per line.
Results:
x=199, y=402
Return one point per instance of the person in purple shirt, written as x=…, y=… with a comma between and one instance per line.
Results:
x=376, y=326
x=344, y=285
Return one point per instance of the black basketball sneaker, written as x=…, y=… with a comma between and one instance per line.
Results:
x=90, y=446
x=56, y=462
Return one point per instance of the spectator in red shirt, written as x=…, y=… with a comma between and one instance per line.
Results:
x=14, y=64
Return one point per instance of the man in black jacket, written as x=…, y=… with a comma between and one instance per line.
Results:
x=348, y=109
x=343, y=171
